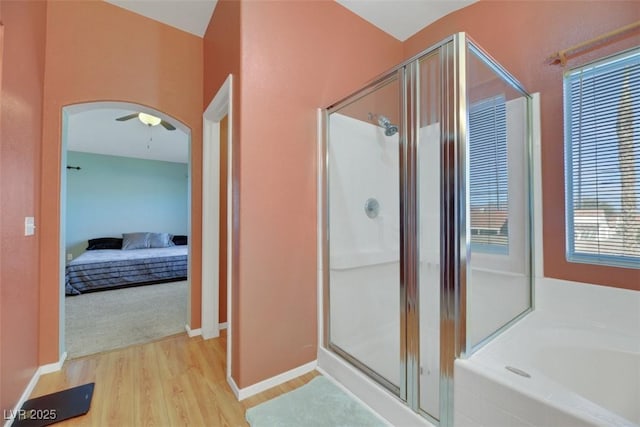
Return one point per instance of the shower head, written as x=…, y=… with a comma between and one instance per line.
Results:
x=389, y=128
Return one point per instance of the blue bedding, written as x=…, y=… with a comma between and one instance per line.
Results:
x=115, y=268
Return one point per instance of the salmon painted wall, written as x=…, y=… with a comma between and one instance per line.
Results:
x=221, y=58
x=21, y=95
x=296, y=57
x=520, y=36
x=99, y=52
x=221, y=47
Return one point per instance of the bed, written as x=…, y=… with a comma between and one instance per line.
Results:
x=103, y=269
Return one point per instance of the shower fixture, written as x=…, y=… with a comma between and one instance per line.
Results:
x=389, y=128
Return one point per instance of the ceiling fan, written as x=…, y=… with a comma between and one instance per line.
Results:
x=148, y=120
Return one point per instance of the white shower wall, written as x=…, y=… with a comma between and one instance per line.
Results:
x=364, y=252
x=363, y=164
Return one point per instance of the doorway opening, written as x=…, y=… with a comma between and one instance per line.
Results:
x=125, y=221
x=217, y=217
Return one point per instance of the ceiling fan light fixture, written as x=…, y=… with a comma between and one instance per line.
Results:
x=149, y=120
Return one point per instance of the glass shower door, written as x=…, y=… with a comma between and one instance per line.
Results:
x=364, y=232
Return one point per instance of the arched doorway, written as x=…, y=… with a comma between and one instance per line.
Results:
x=94, y=128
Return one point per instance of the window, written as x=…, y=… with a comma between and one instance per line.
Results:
x=602, y=169
x=488, y=184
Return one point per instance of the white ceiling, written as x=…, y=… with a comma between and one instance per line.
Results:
x=97, y=131
x=403, y=18
x=192, y=16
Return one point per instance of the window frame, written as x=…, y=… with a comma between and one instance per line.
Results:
x=611, y=62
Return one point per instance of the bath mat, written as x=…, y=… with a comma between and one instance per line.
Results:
x=319, y=403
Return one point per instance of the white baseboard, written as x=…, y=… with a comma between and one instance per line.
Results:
x=246, y=392
x=44, y=369
x=234, y=387
x=195, y=332
x=53, y=367
x=192, y=332
x=210, y=333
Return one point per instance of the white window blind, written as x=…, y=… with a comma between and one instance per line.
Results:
x=602, y=155
x=488, y=183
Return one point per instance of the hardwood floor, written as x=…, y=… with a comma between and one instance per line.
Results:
x=177, y=381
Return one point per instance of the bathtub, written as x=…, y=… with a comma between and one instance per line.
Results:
x=550, y=370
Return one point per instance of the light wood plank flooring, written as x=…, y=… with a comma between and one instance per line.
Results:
x=177, y=381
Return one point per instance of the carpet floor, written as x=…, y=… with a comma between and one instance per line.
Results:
x=107, y=320
x=319, y=403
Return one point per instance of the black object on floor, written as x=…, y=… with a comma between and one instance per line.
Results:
x=55, y=407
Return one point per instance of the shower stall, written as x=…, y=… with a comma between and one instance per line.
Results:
x=425, y=221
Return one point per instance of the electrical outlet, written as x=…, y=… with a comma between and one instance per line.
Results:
x=69, y=256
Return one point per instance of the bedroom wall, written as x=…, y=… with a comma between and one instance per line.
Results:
x=520, y=36
x=112, y=195
x=96, y=51
x=22, y=52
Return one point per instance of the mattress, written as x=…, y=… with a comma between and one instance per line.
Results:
x=114, y=268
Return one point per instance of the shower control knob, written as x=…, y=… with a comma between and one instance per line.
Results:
x=372, y=208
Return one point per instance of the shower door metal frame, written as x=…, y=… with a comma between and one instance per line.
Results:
x=454, y=241
x=409, y=240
